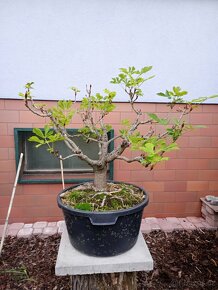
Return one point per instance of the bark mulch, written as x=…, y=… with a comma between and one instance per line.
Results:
x=182, y=261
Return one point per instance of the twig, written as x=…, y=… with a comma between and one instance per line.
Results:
x=62, y=172
x=11, y=202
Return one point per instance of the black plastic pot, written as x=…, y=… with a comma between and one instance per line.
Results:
x=106, y=233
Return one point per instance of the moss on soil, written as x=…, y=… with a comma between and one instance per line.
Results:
x=117, y=196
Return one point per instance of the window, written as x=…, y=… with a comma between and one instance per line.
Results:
x=46, y=169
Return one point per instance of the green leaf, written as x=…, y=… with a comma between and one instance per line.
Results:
x=148, y=147
x=157, y=119
x=21, y=95
x=38, y=132
x=161, y=94
x=153, y=117
x=46, y=129
x=146, y=69
x=125, y=122
x=36, y=139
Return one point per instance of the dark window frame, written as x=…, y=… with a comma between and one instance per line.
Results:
x=45, y=178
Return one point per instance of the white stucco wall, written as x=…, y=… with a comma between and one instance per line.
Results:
x=60, y=43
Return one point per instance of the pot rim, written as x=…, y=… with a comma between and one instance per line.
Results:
x=102, y=213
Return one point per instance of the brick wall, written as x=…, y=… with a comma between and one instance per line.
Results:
x=174, y=186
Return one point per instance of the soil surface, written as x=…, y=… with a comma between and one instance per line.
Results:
x=117, y=196
x=182, y=261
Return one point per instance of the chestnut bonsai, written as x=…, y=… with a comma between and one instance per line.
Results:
x=149, y=146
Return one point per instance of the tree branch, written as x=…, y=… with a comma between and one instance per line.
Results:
x=130, y=160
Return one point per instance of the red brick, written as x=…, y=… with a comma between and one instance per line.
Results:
x=210, y=130
x=3, y=129
x=177, y=164
x=147, y=107
x=213, y=164
x=215, y=118
x=141, y=175
x=2, y=104
x=164, y=175
x=35, y=200
x=112, y=119
x=7, y=142
x=15, y=105
x=214, y=142
x=29, y=117
x=131, y=116
x=174, y=208
x=9, y=116
x=201, y=119
x=188, y=153
x=75, y=120
x=11, y=127
x=210, y=108
x=120, y=175
x=6, y=188
x=186, y=175
x=153, y=186
x=192, y=207
x=183, y=142
x=11, y=153
x=198, y=163
x=186, y=196
x=3, y=153
x=7, y=165
x=160, y=166
x=153, y=209
x=55, y=188
x=208, y=175
x=162, y=108
x=213, y=185
x=172, y=154
x=36, y=189
x=123, y=107
x=175, y=186
x=200, y=142
x=4, y=177
x=208, y=152
x=197, y=185
x=164, y=197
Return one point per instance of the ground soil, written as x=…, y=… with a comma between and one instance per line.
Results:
x=182, y=261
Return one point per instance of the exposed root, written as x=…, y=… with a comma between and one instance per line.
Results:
x=119, y=198
x=103, y=201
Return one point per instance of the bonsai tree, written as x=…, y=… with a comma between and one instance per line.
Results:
x=150, y=146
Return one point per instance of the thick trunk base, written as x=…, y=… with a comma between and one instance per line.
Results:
x=112, y=281
x=100, y=179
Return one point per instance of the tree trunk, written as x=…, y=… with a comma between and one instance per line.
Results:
x=112, y=281
x=100, y=179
